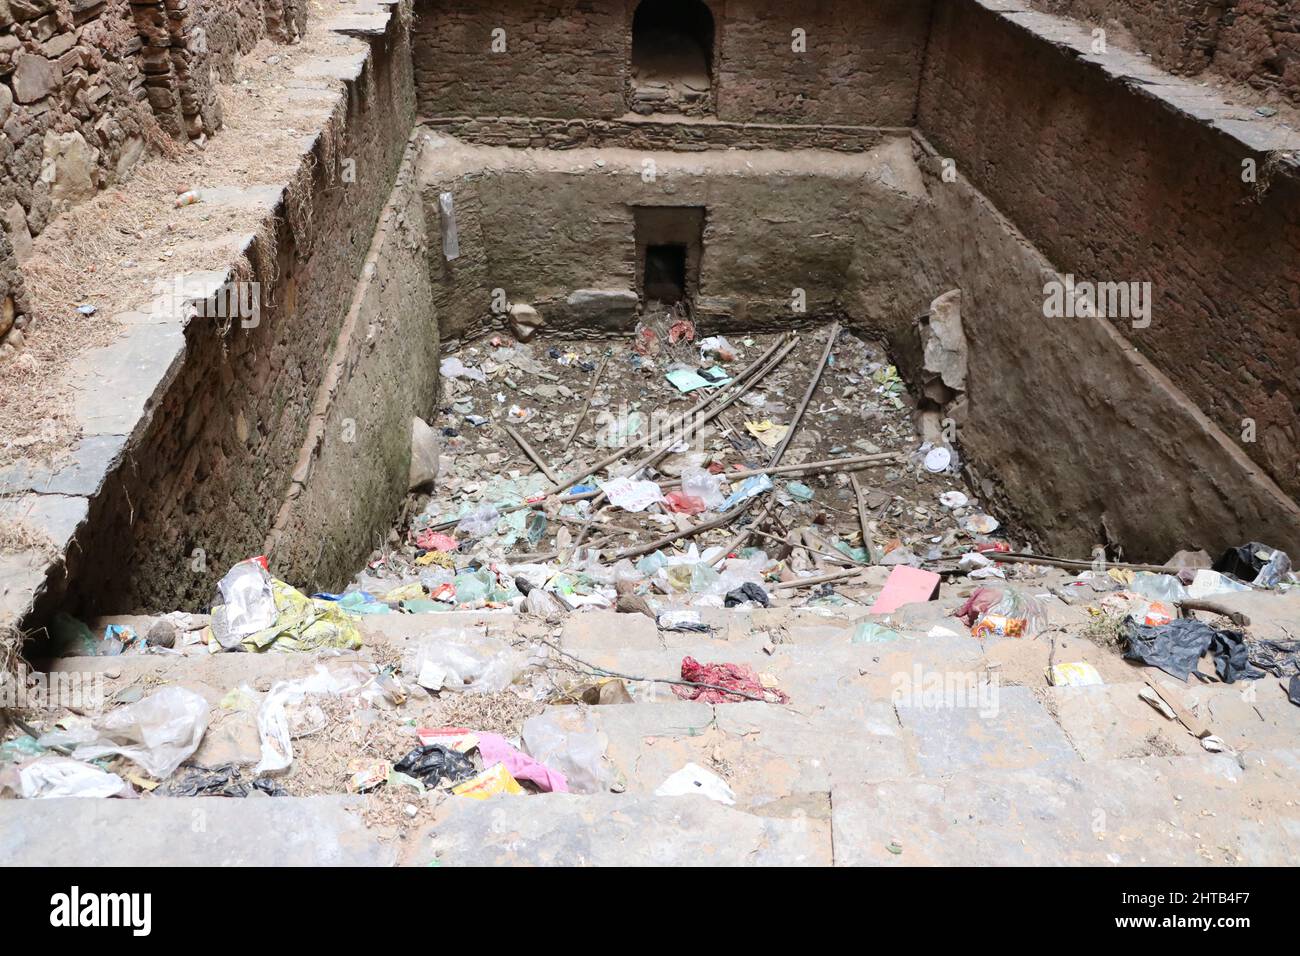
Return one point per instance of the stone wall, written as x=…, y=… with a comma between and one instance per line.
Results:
x=858, y=61
x=1119, y=174
x=352, y=474
x=557, y=230
x=1251, y=41
x=87, y=86
x=1074, y=436
x=229, y=437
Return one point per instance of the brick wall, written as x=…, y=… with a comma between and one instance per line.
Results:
x=860, y=62
x=1113, y=184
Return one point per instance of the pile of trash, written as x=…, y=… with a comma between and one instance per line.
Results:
x=672, y=465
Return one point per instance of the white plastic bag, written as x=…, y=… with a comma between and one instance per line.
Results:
x=247, y=600
x=451, y=660
x=51, y=776
x=286, y=713
x=158, y=732
x=698, y=483
x=693, y=778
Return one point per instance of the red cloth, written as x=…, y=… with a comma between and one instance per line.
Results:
x=732, y=676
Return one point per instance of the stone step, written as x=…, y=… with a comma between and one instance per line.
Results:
x=615, y=830
x=199, y=831
x=1179, y=811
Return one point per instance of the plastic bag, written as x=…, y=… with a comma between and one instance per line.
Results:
x=698, y=483
x=479, y=523
x=1159, y=587
x=1012, y=615
x=248, y=601
x=569, y=743
x=476, y=666
x=52, y=776
x=283, y=716
x=158, y=732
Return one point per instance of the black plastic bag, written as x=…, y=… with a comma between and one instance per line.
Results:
x=749, y=591
x=433, y=762
x=1176, y=647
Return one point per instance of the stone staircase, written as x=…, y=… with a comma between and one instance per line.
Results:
x=860, y=768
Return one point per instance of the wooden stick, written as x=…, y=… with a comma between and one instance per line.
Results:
x=867, y=543
x=775, y=460
x=586, y=406
x=819, y=579
x=531, y=453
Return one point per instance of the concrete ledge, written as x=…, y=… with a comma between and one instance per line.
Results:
x=202, y=831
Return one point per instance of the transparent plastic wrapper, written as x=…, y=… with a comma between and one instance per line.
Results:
x=542, y=604
x=1158, y=587
x=286, y=712
x=569, y=743
x=158, y=732
x=247, y=601
x=698, y=483
x=450, y=234
x=53, y=776
x=1274, y=572
x=452, y=660
x=479, y=523
x=1012, y=615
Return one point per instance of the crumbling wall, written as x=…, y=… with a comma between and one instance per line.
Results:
x=71, y=108
x=1122, y=182
x=1252, y=41
x=205, y=480
x=86, y=86
x=852, y=62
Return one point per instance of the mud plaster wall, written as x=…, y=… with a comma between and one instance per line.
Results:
x=569, y=58
x=1113, y=186
x=215, y=464
x=359, y=464
x=1068, y=429
x=1252, y=41
x=541, y=226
